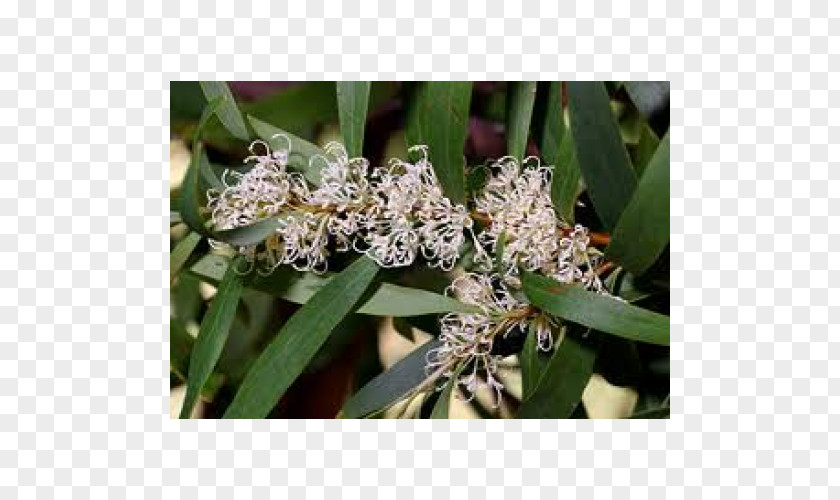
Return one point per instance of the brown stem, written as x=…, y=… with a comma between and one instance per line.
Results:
x=605, y=268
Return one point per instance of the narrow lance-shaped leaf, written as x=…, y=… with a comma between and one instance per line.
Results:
x=298, y=109
x=532, y=362
x=557, y=148
x=664, y=412
x=391, y=386
x=228, y=112
x=298, y=341
x=561, y=386
x=191, y=196
x=648, y=142
x=653, y=100
x=643, y=230
x=352, y=112
x=212, y=336
x=602, y=158
x=180, y=347
x=520, y=105
x=301, y=151
x=181, y=253
x=386, y=299
x=211, y=180
x=441, y=409
x=438, y=119
x=565, y=181
x=595, y=310
x=249, y=235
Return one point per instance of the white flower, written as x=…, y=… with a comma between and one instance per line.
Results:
x=398, y=213
x=577, y=262
x=518, y=203
x=467, y=342
x=343, y=181
x=467, y=339
x=392, y=243
x=304, y=241
x=410, y=214
x=259, y=193
x=517, y=200
x=306, y=217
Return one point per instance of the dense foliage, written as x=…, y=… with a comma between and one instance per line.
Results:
x=516, y=233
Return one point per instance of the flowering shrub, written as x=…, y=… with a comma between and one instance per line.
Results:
x=536, y=303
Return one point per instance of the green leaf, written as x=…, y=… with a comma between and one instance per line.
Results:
x=547, y=125
x=301, y=150
x=185, y=299
x=643, y=230
x=602, y=158
x=595, y=310
x=185, y=100
x=208, y=175
x=249, y=235
x=664, y=412
x=191, y=197
x=228, y=112
x=180, y=346
x=520, y=105
x=300, y=107
x=560, y=388
x=532, y=362
x=212, y=336
x=653, y=100
x=384, y=300
x=297, y=108
x=352, y=113
x=557, y=148
x=648, y=142
x=565, y=180
x=441, y=409
x=181, y=253
x=391, y=386
x=395, y=300
x=299, y=340
x=438, y=119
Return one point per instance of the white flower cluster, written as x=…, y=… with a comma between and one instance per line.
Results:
x=517, y=201
x=577, y=262
x=397, y=214
x=468, y=338
x=411, y=215
x=259, y=193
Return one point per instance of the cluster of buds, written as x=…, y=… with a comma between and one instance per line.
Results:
x=473, y=344
x=517, y=203
x=396, y=214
